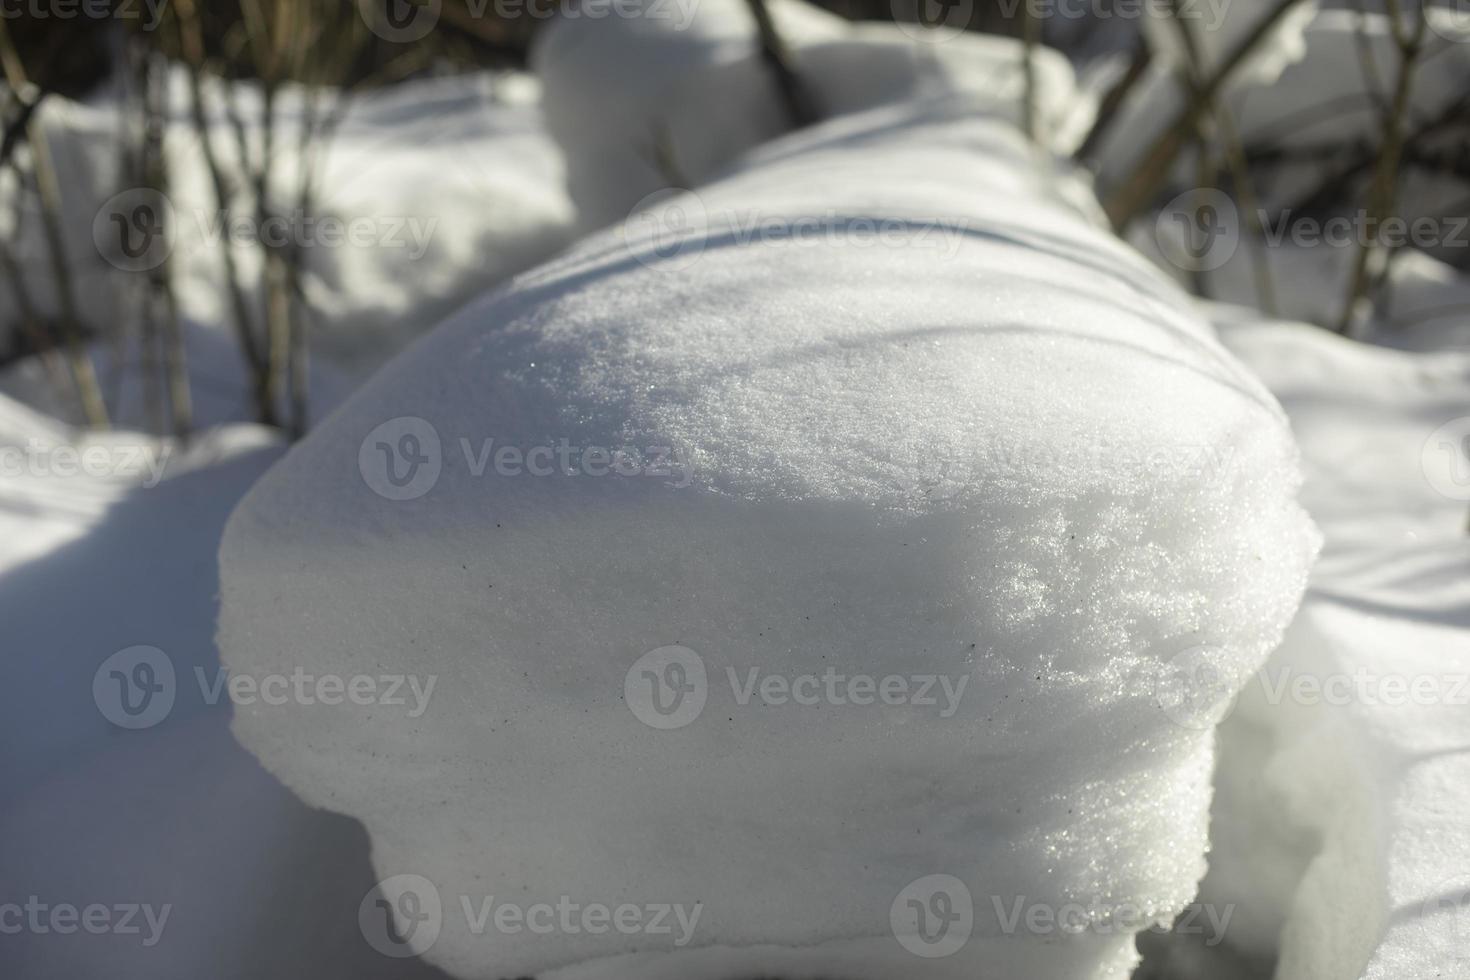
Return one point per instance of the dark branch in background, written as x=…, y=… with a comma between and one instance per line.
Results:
x=801, y=110
x=48, y=190
x=1030, y=38
x=664, y=160
x=30, y=321
x=162, y=303
x=1137, y=189
x=15, y=128
x=1113, y=101
x=1384, y=191
x=1234, y=159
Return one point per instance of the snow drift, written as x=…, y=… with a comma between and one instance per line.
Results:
x=1339, y=829
x=837, y=414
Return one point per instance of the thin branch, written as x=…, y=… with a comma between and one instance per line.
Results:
x=1125, y=203
x=1113, y=101
x=191, y=37
x=1383, y=194
x=1030, y=97
x=1234, y=159
x=801, y=110
x=84, y=377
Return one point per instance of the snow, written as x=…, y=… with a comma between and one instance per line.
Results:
x=652, y=128
x=881, y=477
x=1065, y=495
x=1340, y=807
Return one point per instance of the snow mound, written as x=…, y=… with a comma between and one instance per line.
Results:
x=991, y=448
x=1339, y=830
x=656, y=77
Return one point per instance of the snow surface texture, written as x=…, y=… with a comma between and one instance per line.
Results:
x=654, y=128
x=1341, y=810
x=451, y=185
x=996, y=447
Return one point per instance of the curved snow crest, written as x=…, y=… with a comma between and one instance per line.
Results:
x=883, y=458
x=907, y=301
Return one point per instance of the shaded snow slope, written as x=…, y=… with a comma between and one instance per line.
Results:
x=100, y=554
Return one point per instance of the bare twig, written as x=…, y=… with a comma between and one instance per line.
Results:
x=191, y=37
x=160, y=281
x=800, y=108
x=1030, y=97
x=1234, y=159
x=1384, y=191
x=1113, y=101
x=1124, y=203
x=15, y=128
x=89, y=394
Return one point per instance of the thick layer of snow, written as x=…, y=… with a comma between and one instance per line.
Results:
x=1344, y=770
x=994, y=447
x=654, y=127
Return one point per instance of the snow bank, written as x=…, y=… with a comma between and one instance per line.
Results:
x=863, y=421
x=1339, y=829
x=653, y=128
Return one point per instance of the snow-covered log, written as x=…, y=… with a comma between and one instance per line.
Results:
x=880, y=406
